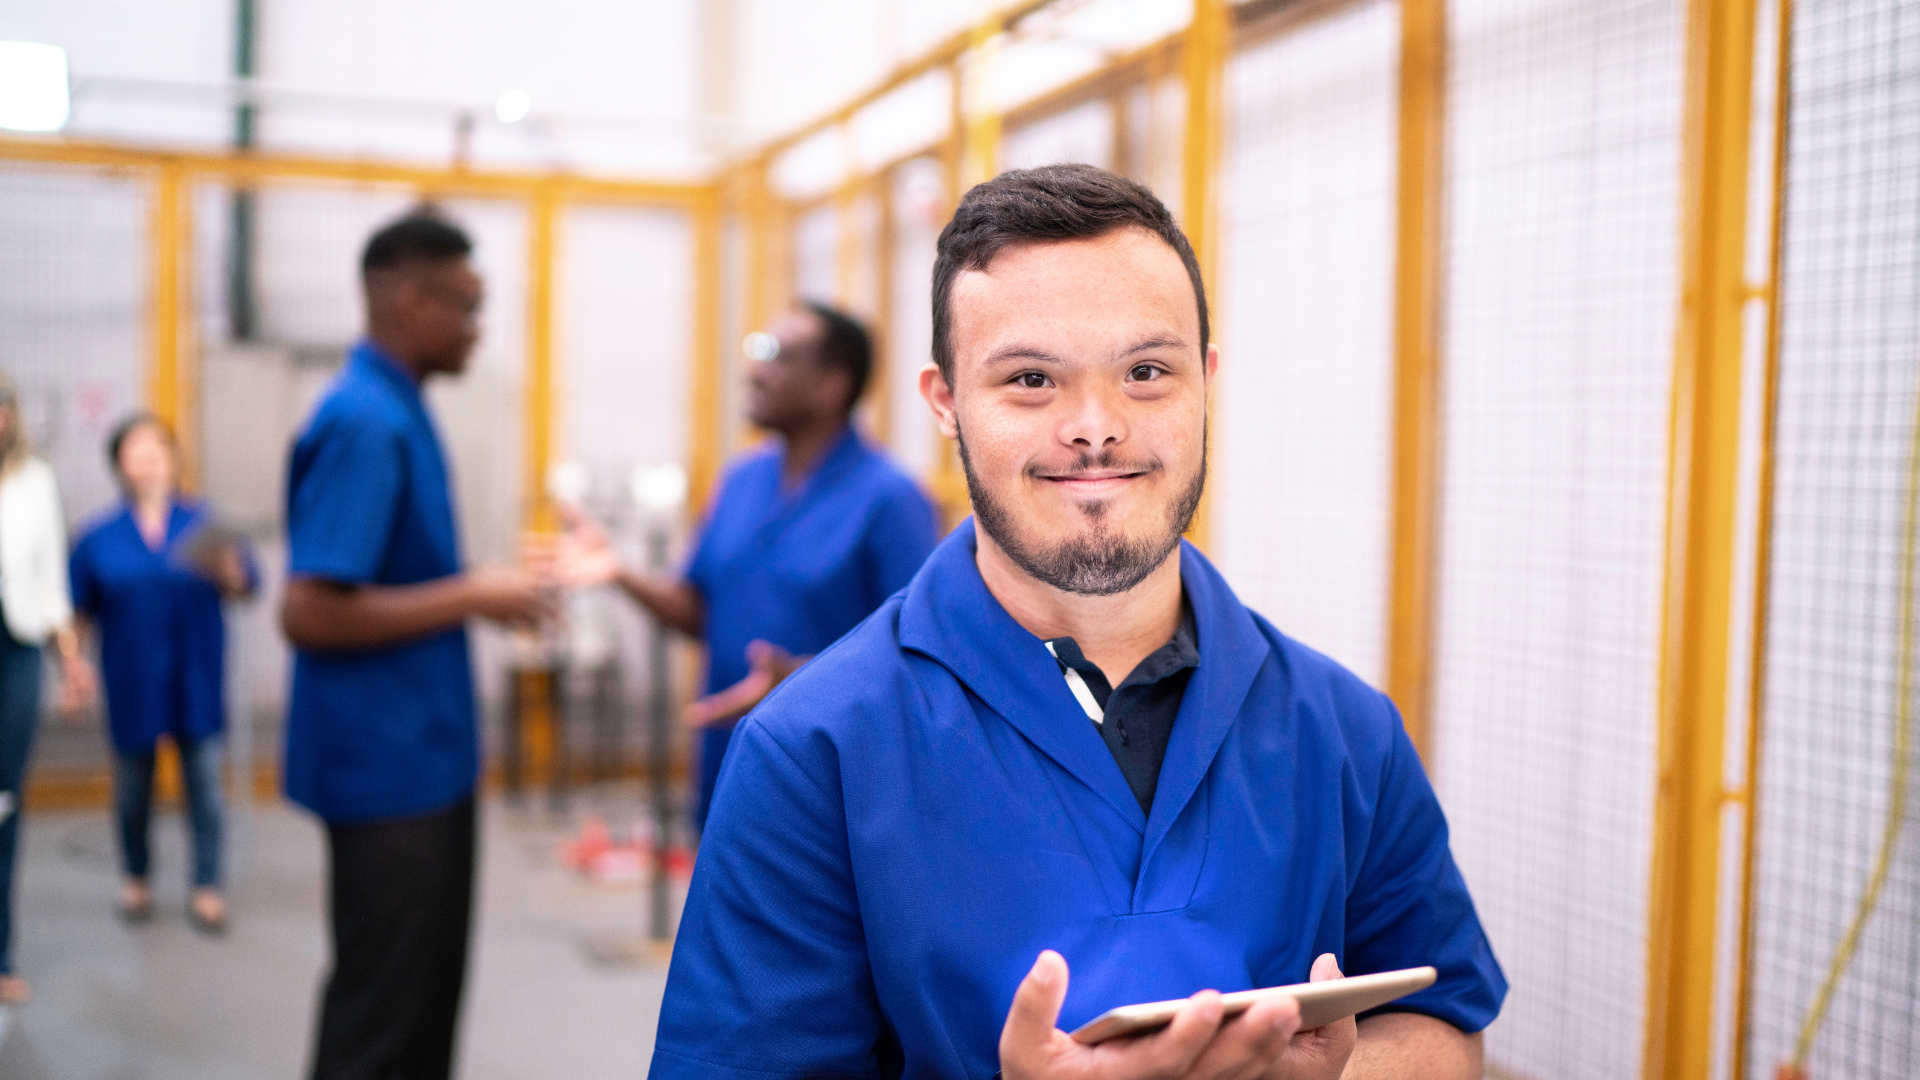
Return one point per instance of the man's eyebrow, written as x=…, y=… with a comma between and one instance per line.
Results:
x=1035, y=354
x=1032, y=353
x=1154, y=343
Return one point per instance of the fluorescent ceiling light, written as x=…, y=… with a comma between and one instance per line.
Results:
x=512, y=106
x=33, y=86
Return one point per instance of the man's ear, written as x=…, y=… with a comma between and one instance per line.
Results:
x=939, y=397
x=1213, y=361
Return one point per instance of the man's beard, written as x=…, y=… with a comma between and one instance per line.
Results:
x=1097, y=561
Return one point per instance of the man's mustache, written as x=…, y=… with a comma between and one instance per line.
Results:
x=1107, y=462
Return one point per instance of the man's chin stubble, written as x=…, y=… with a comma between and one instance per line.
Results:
x=1096, y=562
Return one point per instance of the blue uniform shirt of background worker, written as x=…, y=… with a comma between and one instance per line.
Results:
x=162, y=636
x=911, y=817
x=800, y=568
x=377, y=733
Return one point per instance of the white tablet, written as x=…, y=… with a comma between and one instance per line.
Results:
x=1321, y=1003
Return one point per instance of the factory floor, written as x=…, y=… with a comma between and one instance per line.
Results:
x=561, y=983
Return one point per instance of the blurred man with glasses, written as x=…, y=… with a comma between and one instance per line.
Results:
x=805, y=538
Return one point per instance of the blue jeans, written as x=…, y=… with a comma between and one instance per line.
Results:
x=133, y=803
x=19, y=715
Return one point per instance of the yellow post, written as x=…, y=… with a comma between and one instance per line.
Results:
x=538, y=432
x=704, y=426
x=846, y=223
x=980, y=157
x=1695, y=631
x=1763, y=542
x=880, y=384
x=1416, y=362
x=170, y=365
x=1209, y=39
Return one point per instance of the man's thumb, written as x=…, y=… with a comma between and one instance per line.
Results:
x=1036, y=1005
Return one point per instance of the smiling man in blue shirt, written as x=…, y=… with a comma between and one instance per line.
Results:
x=1068, y=743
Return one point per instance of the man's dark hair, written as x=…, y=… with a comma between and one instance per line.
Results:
x=1053, y=202
x=420, y=236
x=844, y=345
x=127, y=427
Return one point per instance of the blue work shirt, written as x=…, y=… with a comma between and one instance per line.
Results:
x=904, y=824
x=391, y=731
x=799, y=568
x=162, y=638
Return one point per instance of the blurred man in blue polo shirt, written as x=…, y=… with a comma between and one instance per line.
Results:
x=805, y=538
x=382, y=739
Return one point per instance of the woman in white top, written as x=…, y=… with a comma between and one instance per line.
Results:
x=35, y=607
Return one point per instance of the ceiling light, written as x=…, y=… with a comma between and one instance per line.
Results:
x=512, y=106
x=33, y=86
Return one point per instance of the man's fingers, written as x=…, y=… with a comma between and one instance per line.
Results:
x=1325, y=967
x=730, y=702
x=1248, y=1044
x=1176, y=1049
x=1036, y=1009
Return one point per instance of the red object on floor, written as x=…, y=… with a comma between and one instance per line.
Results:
x=594, y=839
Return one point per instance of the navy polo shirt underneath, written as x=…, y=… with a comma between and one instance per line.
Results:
x=1136, y=718
x=907, y=821
x=384, y=732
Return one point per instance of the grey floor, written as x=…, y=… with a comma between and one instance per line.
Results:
x=161, y=1002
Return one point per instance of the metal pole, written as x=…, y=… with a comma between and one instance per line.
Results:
x=659, y=745
x=1683, y=916
x=243, y=313
x=1416, y=363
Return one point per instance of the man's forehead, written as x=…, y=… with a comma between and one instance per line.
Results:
x=1125, y=282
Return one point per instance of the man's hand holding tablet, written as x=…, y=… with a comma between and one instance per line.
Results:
x=1200, y=1044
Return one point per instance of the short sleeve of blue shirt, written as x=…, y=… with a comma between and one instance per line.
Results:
x=341, y=509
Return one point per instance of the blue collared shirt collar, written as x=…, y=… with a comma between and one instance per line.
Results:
x=367, y=354
x=950, y=616
x=841, y=452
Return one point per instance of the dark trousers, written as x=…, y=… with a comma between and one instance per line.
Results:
x=133, y=806
x=19, y=715
x=402, y=899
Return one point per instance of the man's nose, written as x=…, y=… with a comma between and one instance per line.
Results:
x=1096, y=419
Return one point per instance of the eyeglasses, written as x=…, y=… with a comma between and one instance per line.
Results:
x=760, y=346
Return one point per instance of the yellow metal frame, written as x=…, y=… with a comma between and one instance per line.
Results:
x=1416, y=363
x=1763, y=543
x=1209, y=40
x=1703, y=484
x=173, y=366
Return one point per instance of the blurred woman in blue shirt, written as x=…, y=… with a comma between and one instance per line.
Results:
x=150, y=573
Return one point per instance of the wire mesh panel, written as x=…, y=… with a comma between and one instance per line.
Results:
x=626, y=347
x=816, y=253
x=1841, y=605
x=1300, y=459
x=1563, y=164
x=74, y=316
x=919, y=211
